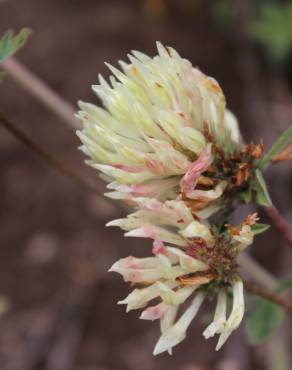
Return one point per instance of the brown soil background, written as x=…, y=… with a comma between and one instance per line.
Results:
x=55, y=250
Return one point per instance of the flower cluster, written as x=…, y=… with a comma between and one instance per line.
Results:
x=202, y=257
x=168, y=146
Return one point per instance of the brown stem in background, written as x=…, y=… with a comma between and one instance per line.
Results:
x=41, y=91
x=250, y=268
x=274, y=298
x=51, y=160
x=280, y=223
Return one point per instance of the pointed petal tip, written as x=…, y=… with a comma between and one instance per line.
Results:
x=159, y=44
x=144, y=316
x=156, y=351
x=113, y=223
x=222, y=339
x=161, y=347
x=81, y=104
x=134, y=233
x=114, y=267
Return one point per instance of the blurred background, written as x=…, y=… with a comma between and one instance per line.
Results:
x=55, y=250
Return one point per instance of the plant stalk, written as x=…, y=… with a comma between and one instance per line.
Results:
x=41, y=91
x=280, y=223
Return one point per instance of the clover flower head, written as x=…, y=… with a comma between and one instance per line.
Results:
x=202, y=260
x=162, y=130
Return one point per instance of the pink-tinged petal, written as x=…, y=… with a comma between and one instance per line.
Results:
x=155, y=166
x=143, y=232
x=155, y=232
x=155, y=312
x=128, y=262
x=190, y=179
x=171, y=213
x=159, y=248
x=154, y=205
x=140, y=275
x=208, y=195
x=151, y=188
x=131, y=262
x=135, y=263
x=166, y=160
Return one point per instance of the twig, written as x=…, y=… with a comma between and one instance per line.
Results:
x=256, y=271
x=41, y=91
x=255, y=289
x=280, y=223
x=51, y=160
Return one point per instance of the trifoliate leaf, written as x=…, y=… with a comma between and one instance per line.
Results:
x=10, y=43
x=259, y=228
x=278, y=146
x=266, y=318
x=262, y=195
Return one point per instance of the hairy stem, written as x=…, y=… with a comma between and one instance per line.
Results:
x=263, y=293
x=280, y=223
x=41, y=91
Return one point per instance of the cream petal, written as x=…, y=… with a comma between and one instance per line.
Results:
x=236, y=315
x=177, y=333
x=218, y=324
x=155, y=312
x=198, y=230
x=139, y=298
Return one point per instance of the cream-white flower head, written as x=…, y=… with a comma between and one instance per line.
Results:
x=163, y=278
x=199, y=256
x=150, y=130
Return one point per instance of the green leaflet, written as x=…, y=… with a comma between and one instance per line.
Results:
x=271, y=26
x=265, y=319
x=262, y=195
x=10, y=43
x=259, y=228
x=278, y=146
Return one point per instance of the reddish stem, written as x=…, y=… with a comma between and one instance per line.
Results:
x=252, y=288
x=280, y=223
